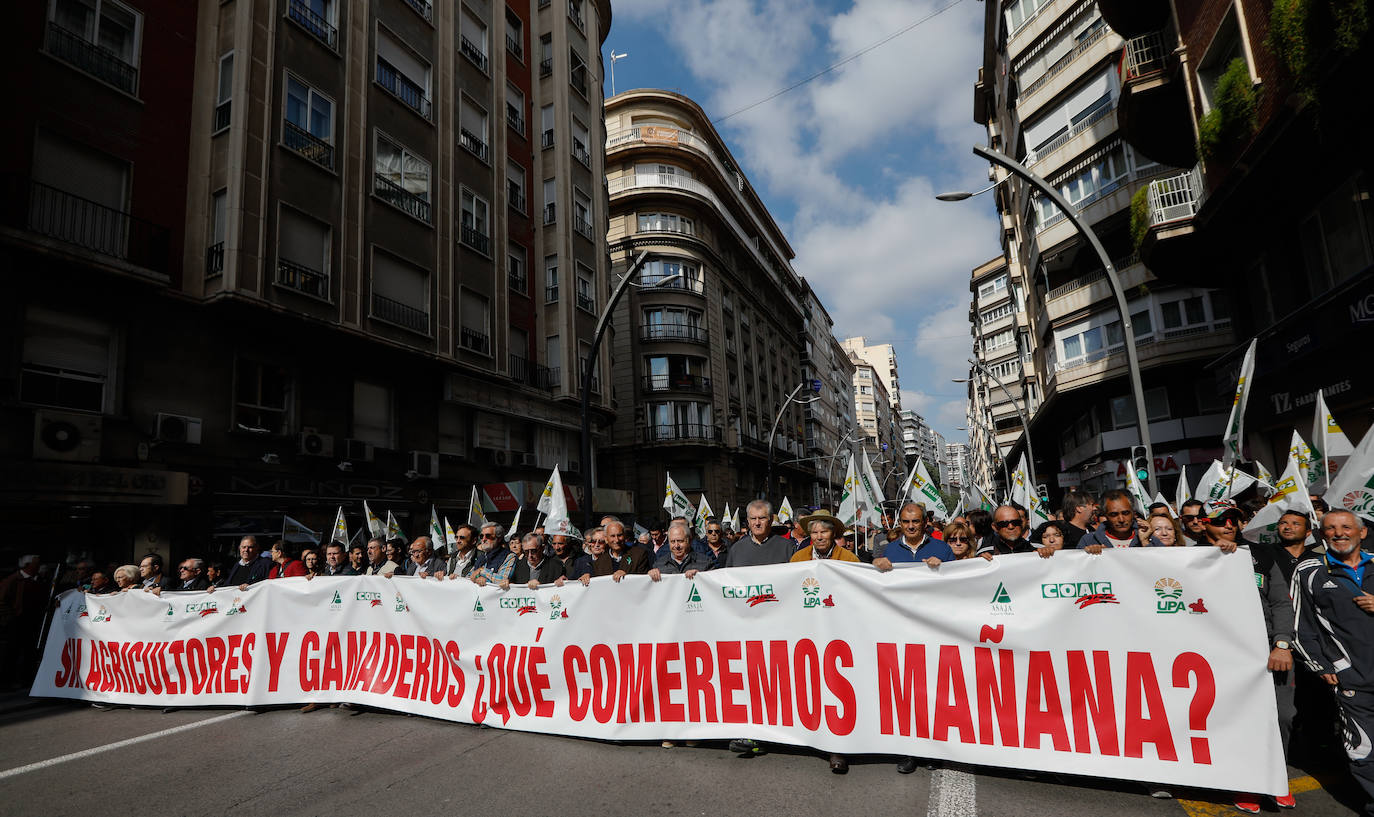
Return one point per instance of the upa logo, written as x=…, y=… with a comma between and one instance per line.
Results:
x=1360, y=501
x=755, y=594
x=203, y=608
x=400, y=606
x=373, y=598
x=694, y=604
x=556, y=610
x=1170, y=593
x=811, y=595
x=479, y=613
x=236, y=607
x=101, y=614
x=1001, y=601
x=520, y=604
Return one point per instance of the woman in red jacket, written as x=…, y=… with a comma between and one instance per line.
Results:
x=285, y=565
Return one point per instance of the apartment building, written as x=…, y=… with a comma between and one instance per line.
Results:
x=1003, y=344
x=1274, y=206
x=1050, y=94
x=710, y=343
x=297, y=254
x=829, y=421
x=956, y=457
x=883, y=358
x=882, y=435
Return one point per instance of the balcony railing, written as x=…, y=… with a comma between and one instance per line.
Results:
x=474, y=144
x=550, y=211
x=586, y=302
x=223, y=113
x=575, y=14
x=583, y=228
x=682, y=432
x=1090, y=278
x=1063, y=138
x=518, y=281
x=546, y=67
x=83, y=55
x=302, y=278
x=1145, y=54
x=515, y=119
x=476, y=239
x=475, y=341
x=214, y=260
x=551, y=294
x=74, y=220
x=1176, y=197
x=578, y=80
x=580, y=153
x=422, y=8
x=307, y=144
x=397, y=196
x=515, y=196
x=514, y=47
x=402, y=315
x=402, y=88
x=1063, y=62
x=546, y=139
x=473, y=52
x=531, y=373
x=676, y=332
x=301, y=13
x=693, y=285
x=677, y=382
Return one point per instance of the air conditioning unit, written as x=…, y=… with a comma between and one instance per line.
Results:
x=357, y=450
x=178, y=428
x=314, y=444
x=59, y=435
x=529, y=459
x=425, y=464
x=501, y=457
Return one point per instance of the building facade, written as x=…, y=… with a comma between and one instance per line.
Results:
x=1051, y=95
x=829, y=421
x=883, y=358
x=882, y=434
x=956, y=458
x=337, y=252
x=709, y=346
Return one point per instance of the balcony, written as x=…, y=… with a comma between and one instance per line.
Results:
x=476, y=54
x=1200, y=342
x=515, y=120
x=474, y=341
x=586, y=302
x=546, y=139
x=578, y=80
x=302, y=279
x=296, y=138
x=528, y=372
x=1154, y=118
x=575, y=14
x=300, y=13
x=677, y=382
x=476, y=239
x=583, y=228
x=403, y=89
x=80, y=222
x=518, y=282
x=693, y=285
x=214, y=260
x=399, y=314
x=550, y=213
x=397, y=196
x=580, y=153
x=1092, y=287
x=514, y=48
x=1169, y=244
x=515, y=197
x=680, y=332
x=682, y=433
x=474, y=144
x=89, y=58
x=1094, y=128
x=1092, y=50
x=551, y=294
x=553, y=377
x=1175, y=198
x=1133, y=17
x=422, y=8
x=546, y=67
x=223, y=113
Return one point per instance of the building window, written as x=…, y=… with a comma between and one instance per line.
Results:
x=474, y=333
x=553, y=356
x=472, y=40
x=224, y=94
x=580, y=140
x=666, y=223
x=684, y=275
x=219, y=214
x=550, y=279
x=675, y=323
x=97, y=37
x=680, y=420
x=515, y=109
x=999, y=340
x=309, y=125
x=995, y=285
x=1184, y=313
x=1226, y=47
x=316, y=17
x=303, y=253
x=67, y=361
x=474, y=217
x=262, y=397
x=472, y=128
x=546, y=126
x=550, y=200
x=79, y=196
x=372, y=414
x=516, y=277
x=582, y=215
x=402, y=178
x=403, y=73
x=515, y=187
x=515, y=35
x=400, y=293
x=545, y=55
x=577, y=72
x=586, y=293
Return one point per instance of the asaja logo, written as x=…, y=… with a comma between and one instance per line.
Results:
x=694, y=604
x=236, y=607
x=336, y=603
x=520, y=604
x=374, y=599
x=203, y=608
x=401, y=606
x=1170, y=593
x=479, y=613
x=1001, y=601
x=169, y=611
x=1084, y=594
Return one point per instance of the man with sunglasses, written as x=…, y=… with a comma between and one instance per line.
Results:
x=1120, y=527
x=717, y=546
x=463, y=559
x=1008, y=534
x=1194, y=525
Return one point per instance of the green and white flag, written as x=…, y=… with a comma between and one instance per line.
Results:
x=958, y=509
x=439, y=535
x=1330, y=446
x=1222, y=483
x=450, y=535
x=1265, y=480
x=873, y=490
x=925, y=492
x=293, y=531
x=1023, y=494
x=675, y=502
x=393, y=529
x=515, y=524
x=340, y=529
x=704, y=512
x=1301, y=453
x=475, y=515
x=1353, y=487
x=1290, y=494
x=374, y=524
x=850, y=499
x=553, y=503
x=736, y=524
x=727, y=521
x=904, y=493
x=785, y=515
x=1182, y=493
x=1234, y=439
x=1136, y=490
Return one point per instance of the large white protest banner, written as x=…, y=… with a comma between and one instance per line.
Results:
x=1144, y=664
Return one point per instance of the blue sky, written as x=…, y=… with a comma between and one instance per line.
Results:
x=848, y=163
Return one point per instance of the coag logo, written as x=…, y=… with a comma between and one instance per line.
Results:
x=1084, y=594
x=203, y=608
x=746, y=591
x=372, y=598
x=1170, y=593
x=520, y=604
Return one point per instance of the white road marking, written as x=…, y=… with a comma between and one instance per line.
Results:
x=953, y=794
x=43, y=764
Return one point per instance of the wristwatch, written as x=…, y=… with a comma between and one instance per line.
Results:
x=1282, y=645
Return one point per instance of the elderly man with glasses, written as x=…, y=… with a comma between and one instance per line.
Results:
x=1008, y=534
x=534, y=567
x=189, y=573
x=422, y=562
x=494, y=562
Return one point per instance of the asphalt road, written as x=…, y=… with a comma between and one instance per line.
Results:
x=56, y=759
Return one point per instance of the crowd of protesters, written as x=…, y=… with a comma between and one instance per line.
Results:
x=1317, y=599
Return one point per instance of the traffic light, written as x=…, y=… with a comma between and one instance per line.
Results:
x=1043, y=491
x=1140, y=463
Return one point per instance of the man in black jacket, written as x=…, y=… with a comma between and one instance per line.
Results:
x=680, y=557
x=335, y=563
x=249, y=569
x=151, y=577
x=191, y=573
x=1008, y=534
x=422, y=562
x=534, y=567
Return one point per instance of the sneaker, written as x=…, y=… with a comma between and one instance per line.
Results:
x=1161, y=794
x=1247, y=803
x=310, y=707
x=744, y=746
x=1286, y=801
x=907, y=765
x=691, y=744
x=668, y=744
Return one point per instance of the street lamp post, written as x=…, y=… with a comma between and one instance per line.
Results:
x=994, y=450
x=768, y=479
x=830, y=465
x=1025, y=423
x=602, y=324
x=1127, y=330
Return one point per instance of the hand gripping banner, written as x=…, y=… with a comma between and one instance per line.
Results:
x=1143, y=664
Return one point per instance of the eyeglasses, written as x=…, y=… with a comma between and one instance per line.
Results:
x=713, y=530
x=1007, y=523
x=415, y=551
x=1189, y=517
x=185, y=567
x=530, y=551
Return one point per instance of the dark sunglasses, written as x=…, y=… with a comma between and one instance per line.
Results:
x=1188, y=517
x=963, y=539
x=1007, y=523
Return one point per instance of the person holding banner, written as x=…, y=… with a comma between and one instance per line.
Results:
x=1194, y=526
x=681, y=557
x=595, y=562
x=914, y=545
x=249, y=569
x=1008, y=534
x=377, y=562
x=334, y=564
x=761, y=546
x=1080, y=516
x=1120, y=527
x=285, y=565
x=495, y=562
x=717, y=546
x=422, y=562
x=961, y=540
x=566, y=553
x=824, y=528
x=463, y=558
x=627, y=559
x=535, y=567
x=190, y=572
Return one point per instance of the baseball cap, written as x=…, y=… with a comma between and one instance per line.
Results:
x=1219, y=508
